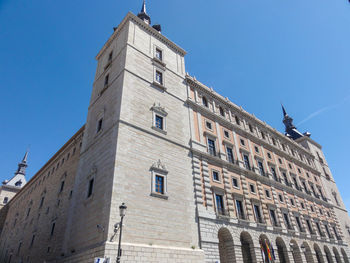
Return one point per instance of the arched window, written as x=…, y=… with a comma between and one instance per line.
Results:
x=205, y=101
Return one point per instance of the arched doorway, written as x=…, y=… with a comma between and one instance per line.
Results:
x=282, y=250
x=267, y=252
x=247, y=244
x=295, y=251
x=226, y=247
x=306, y=250
x=337, y=256
x=318, y=253
x=345, y=256
x=328, y=255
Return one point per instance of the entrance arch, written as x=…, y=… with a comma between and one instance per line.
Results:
x=305, y=248
x=328, y=254
x=247, y=244
x=318, y=253
x=226, y=247
x=337, y=256
x=345, y=256
x=295, y=251
x=282, y=250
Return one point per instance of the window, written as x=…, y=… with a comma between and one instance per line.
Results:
x=309, y=226
x=252, y=188
x=273, y=217
x=235, y=182
x=299, y=171
x=222, y=112
x=159, y=122
x=321, y=212
x=211, y=147
x=312, y=208
x=297, y=219
x=237, y=120
x=280, y=160
x=159, y=77
x=90, y=187
x=263, y=135
x=256, y=149
x=6, y=199
x=229, y=152
x=53, y=228
x=159, y=187
x=285, y=178
x=267, y=194
x=99, y=125
x=239, y=209
x=246, y=161
x=319, y=229
x=41, y=202
x=261, y=168
x=18, y=183
x=293, y=153
x=327, y=230
x=286, y=221
x=290, y=166
x=226, y=134
x=159, y=54
x=257, y=213
x=220, y=204
x=32, y=242
x=269, y=155
x=283, y=147
x=209, y=125
x=215, y=175
x=106, y=80
x=242, y=142
x=302, y=205
x=205, y=101
x=62, y=186
x=292, y=201
x=110, y=56
x=281, y=198
x=273, y=141
x=274, y=174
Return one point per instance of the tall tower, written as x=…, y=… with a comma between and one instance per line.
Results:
x=136, y=150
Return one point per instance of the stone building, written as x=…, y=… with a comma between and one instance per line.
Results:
x=204, y=181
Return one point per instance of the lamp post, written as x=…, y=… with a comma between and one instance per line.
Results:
x=122, y=211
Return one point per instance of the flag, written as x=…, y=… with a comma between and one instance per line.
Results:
x=262, y=253
x=268, y=250
x=273, y=252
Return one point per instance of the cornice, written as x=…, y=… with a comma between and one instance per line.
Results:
x=205, y=112
x=209, y=91
x=253, y=176
x=131, y=17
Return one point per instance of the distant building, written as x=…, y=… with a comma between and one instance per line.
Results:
x=204, y=180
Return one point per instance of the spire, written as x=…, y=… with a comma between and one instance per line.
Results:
x=143, y=14
x=290, y=130
x=22, y=165
x=284, y=111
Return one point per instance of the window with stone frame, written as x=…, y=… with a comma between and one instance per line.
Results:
x=211, y=144
x=159, y=176
x=159, y=118
x=229, y=152
x=215, y=175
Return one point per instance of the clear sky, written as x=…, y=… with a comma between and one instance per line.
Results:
x=256, y=52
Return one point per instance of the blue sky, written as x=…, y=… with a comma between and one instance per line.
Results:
x=257, y=53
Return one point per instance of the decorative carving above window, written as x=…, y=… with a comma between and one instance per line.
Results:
x=159, y=109
x=159, y=167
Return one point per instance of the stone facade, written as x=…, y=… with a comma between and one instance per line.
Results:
x=194, y=169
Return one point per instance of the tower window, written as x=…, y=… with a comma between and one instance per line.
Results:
x=159, y=77
x=18, y=183
x=99, y=125
x=159, y=184
x=159, y=54
x=90, y=187
x=106, y=80
x=6, y=199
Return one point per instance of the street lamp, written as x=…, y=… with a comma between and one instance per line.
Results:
x=122, y=212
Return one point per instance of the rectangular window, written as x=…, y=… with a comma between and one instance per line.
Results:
x=252, y=188
x=226, y=134
x=246, y=161
x=273, y=141
x=110, y=56
x=297, y=219
x=292, y=201
x=273, y=217
x=327, y=230
x=250, y=128
x=256, y=149
x=159, y=77
x=235, y=182
x=159, y=122
x=159, y=184
x=261, y=168
x=274, y=174
x=99, y=125
x=237, y=120
x=208, y=125
x=319, y=229
x=281, y=198
x=53, y=228
x=229, y=152
x=239, y=209
x=159, y=54
x=267, y=193
x=216, y=176
x=220, y=204
x=309, y=226
x=286, y=220
x=62, y=186
x=106, y=80
x=211, y=147
x=90, y=187
x=257, y=214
